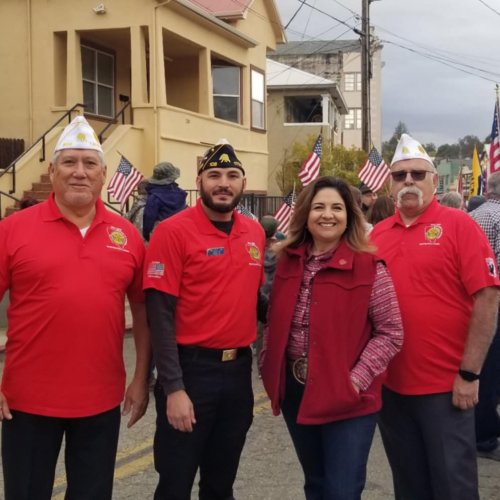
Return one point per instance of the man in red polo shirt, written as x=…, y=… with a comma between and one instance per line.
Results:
x=68, y=263
x=203, y=270
x=446, y=281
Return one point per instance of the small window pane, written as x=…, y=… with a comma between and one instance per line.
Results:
x=104, y=69
x=257, y=114
x=105, y=101
x=88, y=64
x=257, y=86
x=226, y=80
x=227, y=108
x=89, y=97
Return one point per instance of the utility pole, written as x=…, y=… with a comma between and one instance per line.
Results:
x=365, y=76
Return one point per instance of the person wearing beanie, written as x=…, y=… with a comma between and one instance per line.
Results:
x=446, y=281
x=164, y=197
x=69, y=263
x=204, y=266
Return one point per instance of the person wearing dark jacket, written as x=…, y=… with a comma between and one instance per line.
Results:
x=333, y=326
x=165, y=197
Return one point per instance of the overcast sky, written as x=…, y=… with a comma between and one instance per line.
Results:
x=437, y=102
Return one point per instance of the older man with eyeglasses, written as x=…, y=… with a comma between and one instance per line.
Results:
x=446, y=280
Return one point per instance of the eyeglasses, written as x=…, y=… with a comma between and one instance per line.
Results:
x=416, y=175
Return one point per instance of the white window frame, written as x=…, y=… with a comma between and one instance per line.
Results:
x=352, y=121
x=216, y=65
x=352, y=82
x=96, y=83
x=258, y=98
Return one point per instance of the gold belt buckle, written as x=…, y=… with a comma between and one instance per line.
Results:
x=229, y=354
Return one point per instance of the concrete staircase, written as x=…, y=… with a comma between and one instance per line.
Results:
x=39, y=191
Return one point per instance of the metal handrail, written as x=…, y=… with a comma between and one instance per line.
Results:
x=12, y=165
x=111, y=207
x=3, y=193
x=114, y=121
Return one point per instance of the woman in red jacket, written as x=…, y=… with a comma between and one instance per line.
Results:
x=333, y=326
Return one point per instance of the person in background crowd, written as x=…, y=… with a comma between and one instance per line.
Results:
x=136, y=213
x=446, y=282
x=368, y=197
x=204, y=268
x=452, y=200
x=68, y=263
x=382, y=208
x=27, y=201
x=487, y=215
x=474, y=202
x=333, y=327
x=358, y=199
x=164, y=197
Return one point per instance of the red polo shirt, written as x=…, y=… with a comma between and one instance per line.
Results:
x=66, y=313
x=215, y=276
x=437, y=264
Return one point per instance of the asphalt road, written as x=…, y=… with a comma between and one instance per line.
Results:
x=268, y=470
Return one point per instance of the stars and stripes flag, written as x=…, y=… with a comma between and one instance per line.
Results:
x=243, y=210
x=375, y=171
x=285, y=211
x=310, y=168
x=495, y=144
x=124, y=181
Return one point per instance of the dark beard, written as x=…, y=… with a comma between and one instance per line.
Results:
x=222, y=208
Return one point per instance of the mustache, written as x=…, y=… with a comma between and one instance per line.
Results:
x=410, y=190
x=223, y=191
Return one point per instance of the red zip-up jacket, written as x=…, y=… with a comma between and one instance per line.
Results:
x=338, y=332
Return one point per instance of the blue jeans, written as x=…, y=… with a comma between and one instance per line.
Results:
x=487, y=418
x=333, y=456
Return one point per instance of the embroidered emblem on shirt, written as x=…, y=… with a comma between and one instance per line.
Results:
x=214, y=252
x=433, y=232
x=342, y=262
x=156, y=269
x=253, y=251
x=490, y=264
x=117, y=236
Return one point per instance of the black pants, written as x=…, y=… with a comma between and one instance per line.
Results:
x=31, y=445
x=431, y=447
x=221, y=393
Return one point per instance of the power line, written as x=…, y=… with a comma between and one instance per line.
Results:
x=489, y=7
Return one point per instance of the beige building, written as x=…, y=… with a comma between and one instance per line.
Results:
x=340, y=61
x=300, y=104
x=169, y=77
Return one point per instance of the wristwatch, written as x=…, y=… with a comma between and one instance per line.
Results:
x=468, y=376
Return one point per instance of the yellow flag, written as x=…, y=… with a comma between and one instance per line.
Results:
x=475, y=181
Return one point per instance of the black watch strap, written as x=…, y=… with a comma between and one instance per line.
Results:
x=468, y=376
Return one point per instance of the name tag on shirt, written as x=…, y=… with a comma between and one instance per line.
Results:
x=214, y=252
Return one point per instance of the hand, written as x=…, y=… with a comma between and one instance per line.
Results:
x=136, y=400
x=180, y=411
x=355, y=387
x=465, y=394
x=4, y=408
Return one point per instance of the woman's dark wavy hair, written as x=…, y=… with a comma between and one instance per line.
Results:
x=355, y=234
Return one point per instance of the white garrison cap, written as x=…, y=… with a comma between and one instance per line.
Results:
x=410, y=149
x=78, y=135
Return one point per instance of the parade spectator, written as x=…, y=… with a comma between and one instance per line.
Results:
x=136, y=213
x=203, y=270
x=487, y=215
x=27, y=201
x=446, y=281
x=368, y=197
x=382, y=208
x=334, y=325
x=164, y=197
x=68, y=263
x=474, y=202
x=452, y=200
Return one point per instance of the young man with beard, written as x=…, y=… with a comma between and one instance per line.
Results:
x=203, y=270
x=446, y=282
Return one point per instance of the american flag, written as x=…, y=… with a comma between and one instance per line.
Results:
x=495, y=144
x=285, y=211
x=243, y=210
x=375, y=171
x=310, y=168
x=124, y=181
